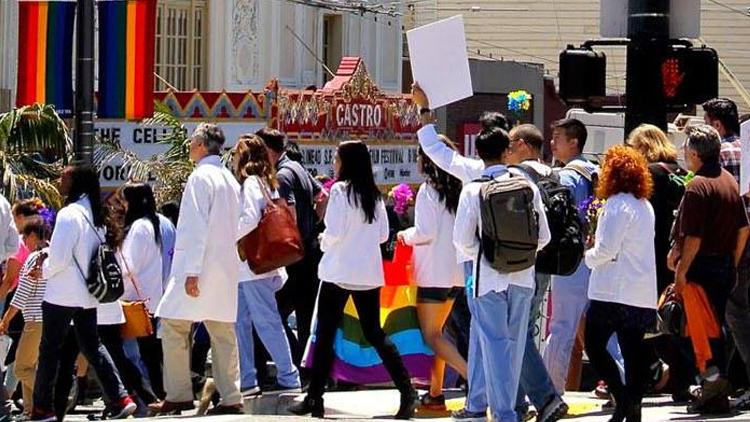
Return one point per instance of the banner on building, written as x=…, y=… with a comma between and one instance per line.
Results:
x=45, y=54
x=126, y=59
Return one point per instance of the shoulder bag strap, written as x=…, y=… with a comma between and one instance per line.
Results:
x=266, y=193
x=131, y=276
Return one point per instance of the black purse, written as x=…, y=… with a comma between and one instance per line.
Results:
x=671, y=313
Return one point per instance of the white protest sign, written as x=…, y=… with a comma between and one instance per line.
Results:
x=745, y=166
x=439, y=62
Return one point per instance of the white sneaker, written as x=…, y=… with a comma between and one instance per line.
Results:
x=251, y=392
x=743, y=402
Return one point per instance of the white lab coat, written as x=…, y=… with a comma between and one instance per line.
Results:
x=9, y=239
x=469, y=221
x=205, y=247
x=432, y=238
x=622, y=260
x=351, y=245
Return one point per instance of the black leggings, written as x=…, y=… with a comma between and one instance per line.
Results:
x=630, y=323
x=134, y=381
x=331, y=302
x=152, y=356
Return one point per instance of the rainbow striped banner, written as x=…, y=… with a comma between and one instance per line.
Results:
x=358, y=362
x=45, y=54
x=127, y=31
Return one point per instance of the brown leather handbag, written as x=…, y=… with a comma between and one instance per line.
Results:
x=276, y=242
x=137, y=319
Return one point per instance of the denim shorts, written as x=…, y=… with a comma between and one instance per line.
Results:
x=437, y=294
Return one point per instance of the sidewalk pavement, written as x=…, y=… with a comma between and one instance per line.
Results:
x=382, y=404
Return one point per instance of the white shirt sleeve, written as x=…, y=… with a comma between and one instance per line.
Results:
x=8, y=230
x=194, y=210
x=382, y=216
x=467, y=222
x=463, y=168
x=426, y=216
x=62, y=244
x=610, y=233
x=250, y=212
x=335, y=218
x=544, y=233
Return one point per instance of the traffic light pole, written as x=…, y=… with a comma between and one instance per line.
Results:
x=84, y=105
x=648, y=30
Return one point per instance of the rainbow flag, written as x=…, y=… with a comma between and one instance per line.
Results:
x=45, y=54
x=127, y=31
x=357, y=361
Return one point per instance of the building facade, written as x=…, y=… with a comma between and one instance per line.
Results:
x=239, y=45
x=536, y=31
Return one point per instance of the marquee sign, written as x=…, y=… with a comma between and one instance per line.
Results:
x=349, y=106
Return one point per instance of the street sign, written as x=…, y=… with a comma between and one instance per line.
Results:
x=684, y=19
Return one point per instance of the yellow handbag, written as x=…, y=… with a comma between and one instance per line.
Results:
x=137, y=319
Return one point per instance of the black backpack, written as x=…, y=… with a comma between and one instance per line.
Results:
x=564, y=252
x=104, y=281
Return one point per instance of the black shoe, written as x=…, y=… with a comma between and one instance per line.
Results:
x=409, y=401
x=308, y=406
x=714, y=398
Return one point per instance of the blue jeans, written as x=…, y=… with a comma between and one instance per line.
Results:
x=257, y=308
x=535, y=381
x=569, y=302
x=496, y=347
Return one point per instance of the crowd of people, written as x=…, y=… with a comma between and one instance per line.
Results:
x=644, y=261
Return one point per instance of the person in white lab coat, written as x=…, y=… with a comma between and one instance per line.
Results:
x=438, y=272
x=257, y=301
x=78, y=232
x=352, y=265
x=203, y=281
x=141, y=263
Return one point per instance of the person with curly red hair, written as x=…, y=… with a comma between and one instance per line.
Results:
x=622, y=288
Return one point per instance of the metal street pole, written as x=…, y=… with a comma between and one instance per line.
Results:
x=648, y=30
x=84, y=105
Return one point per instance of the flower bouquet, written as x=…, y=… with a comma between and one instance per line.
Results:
x=592, y=210
x=519, y=102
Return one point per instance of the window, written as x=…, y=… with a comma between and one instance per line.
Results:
x=180, y=44
x=331, y=43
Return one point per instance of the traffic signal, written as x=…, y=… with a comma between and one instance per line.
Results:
x=689, y=75
x=582, y=75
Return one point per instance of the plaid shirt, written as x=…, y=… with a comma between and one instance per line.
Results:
x=731, y=155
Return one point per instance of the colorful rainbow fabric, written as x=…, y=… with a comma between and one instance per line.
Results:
x=356, y=361
x=126, y=59
x=45, y=54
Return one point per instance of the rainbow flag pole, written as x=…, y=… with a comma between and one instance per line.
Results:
x=126, y=58
x=45, y=53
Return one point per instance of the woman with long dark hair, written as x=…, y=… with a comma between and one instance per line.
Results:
x=257, y=307
x=438, y=274
x=80, y=226
x=140, y=261
x=356, y=225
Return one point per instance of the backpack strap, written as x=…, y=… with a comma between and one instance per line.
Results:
x=75, y=261
x=581, y=170
x=528, y=170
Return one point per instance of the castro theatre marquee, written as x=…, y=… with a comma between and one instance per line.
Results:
x=348, y=107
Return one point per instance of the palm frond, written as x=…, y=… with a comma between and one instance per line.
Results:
x=35, y=128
